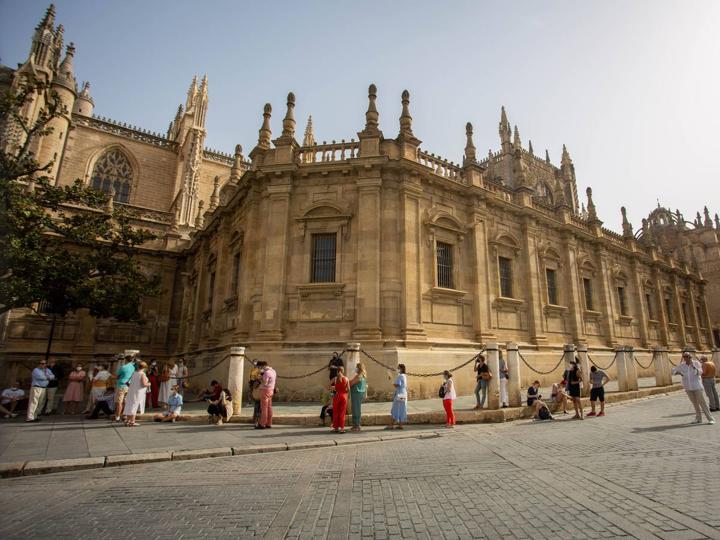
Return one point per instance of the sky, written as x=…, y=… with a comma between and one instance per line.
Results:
x=631, y=87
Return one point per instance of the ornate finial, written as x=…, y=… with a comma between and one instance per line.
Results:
x=503, y=117
x=200, y=219
x=547, y=156
x=530, y=148
x=717, y=222
x=215, y=197
x=565, y=156
x=371, y=116
x=626, y=225
x=405, y=118
x=237, y=166
x=264, y=134
x=204, y=84
x=516, y=138
x=191, y=93
x=49, y=19
x=289, y=120
x=592, y=214
x=698, y=220
x=238, y=151
x=708, y=221
x=309, y=138
x=679, y=219
x=470, y=154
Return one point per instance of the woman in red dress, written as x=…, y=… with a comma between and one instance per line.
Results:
x=153, y=376
x=342, y=387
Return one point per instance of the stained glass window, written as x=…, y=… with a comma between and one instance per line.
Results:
x=113, y=170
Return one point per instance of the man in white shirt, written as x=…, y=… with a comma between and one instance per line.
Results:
x=41, y=376
x=9, y=399
x=691, y=371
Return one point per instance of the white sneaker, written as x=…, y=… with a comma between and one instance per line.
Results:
x=711, y=421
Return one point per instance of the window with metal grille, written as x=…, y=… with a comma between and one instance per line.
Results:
x=587, y=287
x=235, y=274
x=649, y=304
x=551, y=286
x=506, y=286
x=444, y=265
x=622, y=300
x=323, y=258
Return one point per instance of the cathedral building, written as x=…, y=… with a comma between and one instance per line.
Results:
x=304, y=247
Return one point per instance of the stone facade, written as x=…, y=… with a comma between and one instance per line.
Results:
x=305, y=247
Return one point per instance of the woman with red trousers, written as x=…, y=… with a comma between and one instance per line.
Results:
x=340, y=400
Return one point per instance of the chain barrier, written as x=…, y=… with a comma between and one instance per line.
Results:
x=562, y=358
x=652, y=360
x=389, y=368
x=204, y=371
x=295, y=377
x=671, y=362
x=600, y=367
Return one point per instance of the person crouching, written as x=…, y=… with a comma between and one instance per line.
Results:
x=220, y=410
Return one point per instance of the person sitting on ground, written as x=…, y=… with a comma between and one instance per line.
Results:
x=210, y=394
x=326, y=402
x=104, y=403
x=540, y=409
x=9, y=399
x=598, y=378
x=220, y=410
x=175, y=402
x=559, y=396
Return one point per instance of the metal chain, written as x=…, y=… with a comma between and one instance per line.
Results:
x=295, y=377
x=204, y=371
x=562, y=358
x=389, y=368
x=671, y=362
x=652, y=360
x=603, y=368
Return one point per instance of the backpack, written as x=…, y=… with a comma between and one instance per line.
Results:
x=441, y=392
x=544, y=414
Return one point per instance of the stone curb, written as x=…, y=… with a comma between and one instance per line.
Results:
x=31, y=468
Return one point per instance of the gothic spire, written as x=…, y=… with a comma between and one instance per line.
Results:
x=470, y=153
x=191, y=93
x=371, y=115
x=565, y=156
x=289, y=120
x=215, y=197
x=236, y=170
x=504, y=131
x=66, y=68
x=626, y=225
x=309, y=138
x=516, y=138
x=592, y=214
x=717, y=222
x=708, y=221
x=264, y=134
x=547, y=156
x=405, y=118
x=530, y=148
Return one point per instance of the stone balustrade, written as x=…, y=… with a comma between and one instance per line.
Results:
x=322, y=153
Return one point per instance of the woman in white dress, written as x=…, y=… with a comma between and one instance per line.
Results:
x=166, y=383
x=135, y=399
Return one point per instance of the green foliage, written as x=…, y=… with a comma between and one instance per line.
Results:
x=62, y=244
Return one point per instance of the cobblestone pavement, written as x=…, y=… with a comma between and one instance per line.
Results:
x=641, y=472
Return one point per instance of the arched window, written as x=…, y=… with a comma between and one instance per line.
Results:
x=113, y=170
x=544, y=193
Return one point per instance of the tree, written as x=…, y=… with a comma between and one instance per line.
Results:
x=66, y=247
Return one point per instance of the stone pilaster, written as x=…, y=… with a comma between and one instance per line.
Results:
x=411, y=245
x=605, y=298
x=532, y=280
x=660, y=311
x=638, y=303
x=572, y=284
x=679, y=317
x=367, y=302
x=482, y=311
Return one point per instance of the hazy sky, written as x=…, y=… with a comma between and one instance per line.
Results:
x=632, y=87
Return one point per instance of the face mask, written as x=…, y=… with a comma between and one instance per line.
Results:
x=399, y=372
x=357, y=371
x=79, y=368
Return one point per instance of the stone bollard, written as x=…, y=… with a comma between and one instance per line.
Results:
x=627, y=374
x=235, y=377
x=514, y=381
x=493, y=362
x=663, y=377
x=584, y=369
x=568, y=355
x=351, y=359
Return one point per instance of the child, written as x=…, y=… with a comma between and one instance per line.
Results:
x=175, y=403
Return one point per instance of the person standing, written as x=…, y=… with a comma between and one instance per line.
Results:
x=691, y=372
x=598, y=378
x=137, y=388
x=255, y=380
x=41, y=376
x=165, y=384
x=154, y=378
x=340, y=400
x=482, y=377
x=52, y=387
x=398, y=412
x=708, y=380
x=335, y=363
x=574, y=380
x=358, y=390
x=124, y=374
x=267, y=391
x=181, y=375
x=448, y=397
x=75, y=391
x=504, y=377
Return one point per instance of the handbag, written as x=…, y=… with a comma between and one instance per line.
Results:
x=486, y=375
x=441, y=392
x=256, y=393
